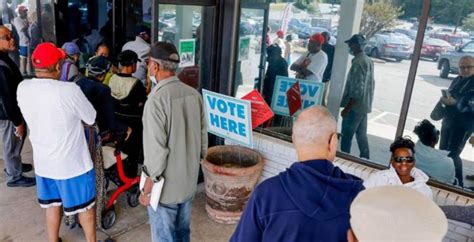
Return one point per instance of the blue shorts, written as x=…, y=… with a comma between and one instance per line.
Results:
x=75, y=194
x=23, y=51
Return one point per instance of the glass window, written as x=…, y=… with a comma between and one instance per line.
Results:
x=440, y=117
x=186, y=27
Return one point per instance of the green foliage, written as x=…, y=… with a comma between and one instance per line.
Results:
x=468, y=23
x=305, y=5
x=441, y=11
x=377, y=16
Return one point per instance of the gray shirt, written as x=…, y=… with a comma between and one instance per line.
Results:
x=360, y=84
x=174, y=138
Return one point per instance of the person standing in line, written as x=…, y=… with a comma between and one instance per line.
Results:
x=288, y=49
x=311, y=65
x=310, y=200
x=174, y=141
x=458, y=120
x=141, y=46
x=21, y=24
x=55, y=112
x=69, y=68
x=12, y=125
x=357, y=98
x=280, y=41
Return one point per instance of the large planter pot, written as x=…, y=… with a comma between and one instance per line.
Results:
x=230, y=174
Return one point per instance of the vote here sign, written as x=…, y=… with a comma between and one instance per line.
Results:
x=228, y=117
x=311, y=94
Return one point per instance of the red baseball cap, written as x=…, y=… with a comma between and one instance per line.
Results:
x=46, y=55
x=317, y=37
x=280, y=33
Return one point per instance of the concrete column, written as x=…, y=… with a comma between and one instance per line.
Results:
x=184, y=20
x=349, y=24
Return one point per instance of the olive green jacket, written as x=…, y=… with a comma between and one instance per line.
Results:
x=174, y=138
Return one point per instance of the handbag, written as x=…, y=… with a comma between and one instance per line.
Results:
x=438, y=112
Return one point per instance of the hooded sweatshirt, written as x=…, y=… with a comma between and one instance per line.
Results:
x=390, y=177
x=308, y=202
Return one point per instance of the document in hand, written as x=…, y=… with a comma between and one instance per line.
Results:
x=155, y=190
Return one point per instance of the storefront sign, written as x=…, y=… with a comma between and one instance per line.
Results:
x=228, y=117
x=187, y=52
x=244, y=48
x=261, y=112
x=294, y=98
x=311, y=94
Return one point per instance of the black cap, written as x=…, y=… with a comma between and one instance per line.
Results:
x=274, y=49
x=356, y=39
x=98, y=65
x=142, y=30
x=164, y=51
x=127, y=58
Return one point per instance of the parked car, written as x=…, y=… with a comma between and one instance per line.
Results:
x=454, y=39
x=408, y=32
x=388, y=45
x=432, y=48
x=308, y=31
x=449, y=61
x=297, y=25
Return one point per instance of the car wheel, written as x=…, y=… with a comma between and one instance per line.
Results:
x=444, y=69
x=375, y=53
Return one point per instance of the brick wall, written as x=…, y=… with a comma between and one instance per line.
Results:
x=279, y=155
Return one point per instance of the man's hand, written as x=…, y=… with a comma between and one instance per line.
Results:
x=20, y=130
x=448, y=101
x=144, y=200
x=129, y=131
x=345, y=112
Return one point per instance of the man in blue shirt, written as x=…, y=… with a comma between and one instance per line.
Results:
x=309, y=201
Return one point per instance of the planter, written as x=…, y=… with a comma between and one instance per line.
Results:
x=230, y=174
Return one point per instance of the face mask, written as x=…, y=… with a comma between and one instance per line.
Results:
x=153, y=80
x=351, y=52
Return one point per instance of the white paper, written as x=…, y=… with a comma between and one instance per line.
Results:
x=155, y=190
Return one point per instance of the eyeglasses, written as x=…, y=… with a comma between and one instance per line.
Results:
x=400, y=159
x=465, y=67
x=7, y=38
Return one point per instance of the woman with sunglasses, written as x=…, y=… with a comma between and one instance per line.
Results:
x=402, y=171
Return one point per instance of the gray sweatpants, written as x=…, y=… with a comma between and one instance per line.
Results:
x=12, y=147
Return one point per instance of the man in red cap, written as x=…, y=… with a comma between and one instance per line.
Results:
x=54, y=111
x=311, y=65
x=280, y=41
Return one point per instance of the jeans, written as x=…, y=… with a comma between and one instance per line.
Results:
x=355, y=123
x=170, y=222
x=12, y=147
x=453, y=138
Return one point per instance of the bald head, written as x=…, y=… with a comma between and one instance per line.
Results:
x=466, y=66
x=7, y=42
x=314, y=134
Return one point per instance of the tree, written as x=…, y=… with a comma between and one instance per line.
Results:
x=468, y=23
x=377, y=16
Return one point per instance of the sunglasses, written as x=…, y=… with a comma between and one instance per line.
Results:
x=400, y=159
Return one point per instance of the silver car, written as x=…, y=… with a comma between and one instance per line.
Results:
x=390, y=46
x=449, y=61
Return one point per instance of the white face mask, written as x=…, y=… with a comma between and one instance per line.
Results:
x=153, y=80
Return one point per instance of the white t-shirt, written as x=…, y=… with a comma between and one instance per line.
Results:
x=318, y=63
x=54, y=112
x=21, y=26
x=281, y=44
x=142, y=48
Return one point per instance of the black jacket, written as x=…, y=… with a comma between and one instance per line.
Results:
x=99, y=96
x=10, y=78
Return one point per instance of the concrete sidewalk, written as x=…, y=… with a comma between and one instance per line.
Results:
x=23, y=219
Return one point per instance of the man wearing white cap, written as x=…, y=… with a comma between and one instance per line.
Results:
x=395, y=213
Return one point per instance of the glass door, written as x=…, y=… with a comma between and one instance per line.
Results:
x=190, y=28
x=252, y=43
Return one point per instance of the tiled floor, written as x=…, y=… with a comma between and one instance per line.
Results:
x=23, y=220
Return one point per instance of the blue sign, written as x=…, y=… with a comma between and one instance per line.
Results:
x=311, y=94
x=228, y=117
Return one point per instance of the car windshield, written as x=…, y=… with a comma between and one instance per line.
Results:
x=437, y=42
